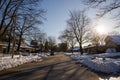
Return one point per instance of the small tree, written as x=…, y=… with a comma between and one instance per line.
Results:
x=42, y=41
x=68, y=37
x=46, y=47
x=97, y=39
x=51, y=42
x=34, y=43
x=62, y=47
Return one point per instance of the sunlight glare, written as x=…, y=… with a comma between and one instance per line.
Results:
x=101, y=29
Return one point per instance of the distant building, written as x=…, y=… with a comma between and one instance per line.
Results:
x=3, y=46
x=113, y=43
x=26, y=48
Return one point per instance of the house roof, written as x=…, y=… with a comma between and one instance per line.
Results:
x=115, y=39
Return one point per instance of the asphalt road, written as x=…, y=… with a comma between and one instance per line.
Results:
x=58, y=67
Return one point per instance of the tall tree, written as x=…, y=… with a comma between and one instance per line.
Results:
x=79, y=25
x=29, y=16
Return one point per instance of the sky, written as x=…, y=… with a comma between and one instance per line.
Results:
x=58, y=13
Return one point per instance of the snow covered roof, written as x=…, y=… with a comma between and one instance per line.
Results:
x=25, y=47
x=115, y=39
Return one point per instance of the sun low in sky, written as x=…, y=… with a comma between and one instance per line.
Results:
x=101, y=29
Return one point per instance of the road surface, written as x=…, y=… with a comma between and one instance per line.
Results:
x=58, y=67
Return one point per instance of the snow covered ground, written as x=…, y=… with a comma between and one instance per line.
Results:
x=107, y=62
x=8, y=62
x=110, y=78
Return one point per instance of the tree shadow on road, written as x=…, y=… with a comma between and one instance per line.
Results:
x=60, y=70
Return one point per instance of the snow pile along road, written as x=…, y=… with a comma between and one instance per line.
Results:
x=107, y=63
x=105, y=66
x=8, y=62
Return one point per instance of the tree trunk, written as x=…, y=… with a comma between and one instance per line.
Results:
x=81, y=49
x=72, y=49
x=97, y=45
x=8, y=48
x=13, y=43
x=19, y=42
x=72, y=46
x=13, y=48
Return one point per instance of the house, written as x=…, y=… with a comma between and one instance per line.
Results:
x=93, y=49
x=23, y=48
x=113, y=43
x=3, y=46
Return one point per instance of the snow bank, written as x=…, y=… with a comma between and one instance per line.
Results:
x=102, y=65
x=100, y=62
x=7, y=62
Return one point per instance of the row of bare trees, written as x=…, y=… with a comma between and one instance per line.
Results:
x=79, y=29
x=17, y=17
x=44, y=43
x=40, y=41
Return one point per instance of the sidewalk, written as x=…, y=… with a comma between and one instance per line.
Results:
x=58, y=67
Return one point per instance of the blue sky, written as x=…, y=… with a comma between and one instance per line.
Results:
x=58, y=12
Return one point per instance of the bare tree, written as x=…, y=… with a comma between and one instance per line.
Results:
x=105, y=7
x=97, y=39
x=22, y=15
x=28, y=17
x=40, y=37
x=62, y=47
x=79, y=25
x=51, y=42
x=68, y=37
x=42, y=40
x=8, y=9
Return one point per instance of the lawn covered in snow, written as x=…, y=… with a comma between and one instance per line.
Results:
x=106, y=62
x=8, y=62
